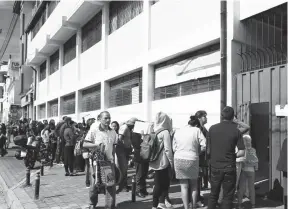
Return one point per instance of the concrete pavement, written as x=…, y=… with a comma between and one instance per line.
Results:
x=60, y=192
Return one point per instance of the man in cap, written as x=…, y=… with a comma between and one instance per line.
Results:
x=124, y=150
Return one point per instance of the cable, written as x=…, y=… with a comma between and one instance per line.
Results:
x=9, y=35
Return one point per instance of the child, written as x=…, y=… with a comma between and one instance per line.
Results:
x=250, y=165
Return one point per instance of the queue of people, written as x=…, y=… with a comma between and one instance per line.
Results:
x=190, y=154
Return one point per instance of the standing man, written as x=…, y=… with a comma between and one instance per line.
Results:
x=125, y=135
x=222, y=141
x=102, y=135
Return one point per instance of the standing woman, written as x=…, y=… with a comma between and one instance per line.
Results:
x=163, y=165
x=186, y=159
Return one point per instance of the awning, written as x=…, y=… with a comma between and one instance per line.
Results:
x=193, y=68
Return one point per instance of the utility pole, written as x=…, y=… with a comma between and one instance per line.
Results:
x=223, y=48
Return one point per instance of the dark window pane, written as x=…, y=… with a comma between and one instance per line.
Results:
x=42, y=111
x=43, y=71
x=69, y=105
x=121, y=12
x=126, y=90
x=54, y=62
x=53, y=109
x=188, y=87
x=52, y=6
x=69, y=50
x=92, y=32
x=91, y=99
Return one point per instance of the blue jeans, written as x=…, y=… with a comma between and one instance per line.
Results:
x=227, y=179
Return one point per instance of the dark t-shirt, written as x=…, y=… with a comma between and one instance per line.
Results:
x=223, y=139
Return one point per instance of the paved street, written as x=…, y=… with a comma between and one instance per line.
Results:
x=58, y=191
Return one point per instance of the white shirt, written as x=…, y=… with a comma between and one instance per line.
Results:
x=186, y=143
x=99, y=136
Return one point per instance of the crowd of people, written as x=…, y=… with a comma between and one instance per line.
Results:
x=222, y=156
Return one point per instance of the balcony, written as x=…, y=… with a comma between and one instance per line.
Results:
x=66, y=19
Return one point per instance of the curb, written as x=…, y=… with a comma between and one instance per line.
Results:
x=11, y=198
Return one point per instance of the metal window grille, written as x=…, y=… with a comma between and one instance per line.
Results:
x=69, y=105
x=54, y=62
x=39, y=24
x=53, y=108
x=69, y=50
x=92, y=32
x=154, y=2
x=265, y=42
x=188, y=87
x=126, y=90
x=91, y=99
x=1, y=92
x=121, y=12
x=43, y=71
x=42, y=111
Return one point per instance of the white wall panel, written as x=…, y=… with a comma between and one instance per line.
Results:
x=69, y=77
x=42, y=90
x=173, y=20
x=91, y=65
x=126, y=43
x=54, y=84
x=181, y=108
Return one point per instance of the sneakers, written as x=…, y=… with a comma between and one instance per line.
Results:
x=168, y=204
x=162, y=206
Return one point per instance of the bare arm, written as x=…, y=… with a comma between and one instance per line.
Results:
x=168, y=147
x=243, y=128
x=240, y=153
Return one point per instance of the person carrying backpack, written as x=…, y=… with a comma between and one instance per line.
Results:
x=162, y=160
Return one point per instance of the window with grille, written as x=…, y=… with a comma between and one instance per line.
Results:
x=54, y=62
x=53, y=108
x=91, y=99
x=92, y=32
x=69, y=50
x=188, y=87
x=121, y=12
x=39, y=24
x=154, y=2
x=42, y=111
x=69, y=104
x=42, y=71
x=126, y=90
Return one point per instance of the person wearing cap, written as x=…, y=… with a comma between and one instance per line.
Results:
x=223, y=138
x=123, y=151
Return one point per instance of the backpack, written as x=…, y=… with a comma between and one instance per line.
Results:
x=151, y=147
x=58, y=127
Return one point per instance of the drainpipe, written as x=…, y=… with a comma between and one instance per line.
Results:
x=223, y=48
x=35, y=80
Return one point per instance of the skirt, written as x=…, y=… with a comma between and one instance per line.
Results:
x=186, y=169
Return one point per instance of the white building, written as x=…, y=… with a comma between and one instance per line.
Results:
x=131, y=58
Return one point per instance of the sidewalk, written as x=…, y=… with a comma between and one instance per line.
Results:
x=60, y=192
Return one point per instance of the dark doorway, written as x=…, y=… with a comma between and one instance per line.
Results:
x=260, y=141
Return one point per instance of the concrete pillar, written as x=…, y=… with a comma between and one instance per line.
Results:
x=78, y=61
x=47, y=76
x=46, y=110
x=59, y=108
x=37, y=112
x=61, y=58
x=105, y=88
x=147, y=70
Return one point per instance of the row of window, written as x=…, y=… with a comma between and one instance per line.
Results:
x=128, y=90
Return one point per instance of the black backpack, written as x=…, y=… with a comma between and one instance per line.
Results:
x=151, y=147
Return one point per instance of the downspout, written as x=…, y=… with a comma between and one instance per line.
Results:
x=34, y=93
x=223, y=48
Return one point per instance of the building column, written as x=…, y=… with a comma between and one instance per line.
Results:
x=78, y=61
x=47, y=76
x=105, y=88
x=147, y=70
x=59, y=108
x=61, y=58
x=37, y=112
x=46, y=110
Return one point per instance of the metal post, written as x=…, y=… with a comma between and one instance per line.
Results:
x=223, y=48
x=28, y=177
x=42, y=170
x=37, y=186
x=133, y=192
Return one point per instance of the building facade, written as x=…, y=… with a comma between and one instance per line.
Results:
x=124, y=57
x=135, y=58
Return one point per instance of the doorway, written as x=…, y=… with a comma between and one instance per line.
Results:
x=259, y=113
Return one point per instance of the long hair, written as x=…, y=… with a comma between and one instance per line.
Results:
x=194, y=122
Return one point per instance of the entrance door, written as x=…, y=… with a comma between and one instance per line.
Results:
x=259, y=113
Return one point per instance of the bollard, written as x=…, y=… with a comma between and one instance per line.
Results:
x=37, y=186
x=28, y=177
x=133, y=191
x=42, y=170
